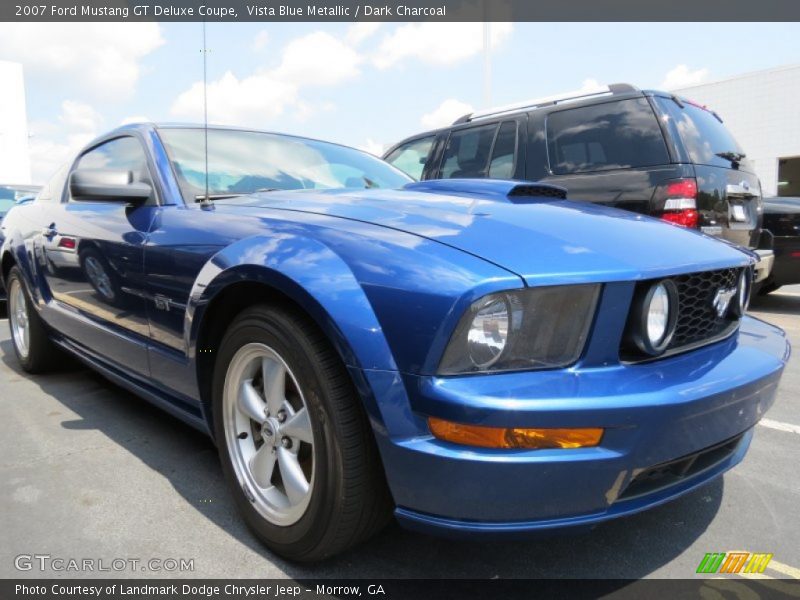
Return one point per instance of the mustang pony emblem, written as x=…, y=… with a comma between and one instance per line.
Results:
x=722, y=300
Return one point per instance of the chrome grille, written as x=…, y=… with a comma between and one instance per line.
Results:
x=697, y=319
x=697, y=322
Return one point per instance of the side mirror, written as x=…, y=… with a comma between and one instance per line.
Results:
x=107, y=185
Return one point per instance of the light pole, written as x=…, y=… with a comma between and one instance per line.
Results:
x=487, y=64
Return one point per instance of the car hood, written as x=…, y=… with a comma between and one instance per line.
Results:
x=541, y=240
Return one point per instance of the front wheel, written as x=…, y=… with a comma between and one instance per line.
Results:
x=293, y=439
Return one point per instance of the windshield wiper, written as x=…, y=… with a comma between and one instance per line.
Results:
x=734, y=157
x=201, y=197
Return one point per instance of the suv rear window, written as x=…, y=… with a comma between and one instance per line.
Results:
x=702, y=133
x=612, y=135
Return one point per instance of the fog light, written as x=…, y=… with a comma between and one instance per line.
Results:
x=514, y=437
x=654, y=317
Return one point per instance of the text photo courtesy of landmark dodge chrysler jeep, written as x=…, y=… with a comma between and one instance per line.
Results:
x=650, y=152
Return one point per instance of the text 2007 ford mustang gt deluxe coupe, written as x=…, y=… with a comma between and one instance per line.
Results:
x=485, y=357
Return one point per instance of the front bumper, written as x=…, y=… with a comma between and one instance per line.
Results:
x=766, y=260
x=703, y=403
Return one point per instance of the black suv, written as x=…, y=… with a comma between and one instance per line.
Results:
x=649, y=152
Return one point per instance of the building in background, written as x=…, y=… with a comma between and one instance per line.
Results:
x=762, y=111
x=15, y=164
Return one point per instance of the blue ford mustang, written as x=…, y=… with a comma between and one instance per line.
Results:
x=481, y=357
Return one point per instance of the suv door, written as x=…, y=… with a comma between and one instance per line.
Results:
x=91, y=254
x=613, y=153
x=484, y=149
x=411, y=157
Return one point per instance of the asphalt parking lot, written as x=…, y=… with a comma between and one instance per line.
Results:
x=90, y=471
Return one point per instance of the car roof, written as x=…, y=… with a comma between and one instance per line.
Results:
x=149, y=127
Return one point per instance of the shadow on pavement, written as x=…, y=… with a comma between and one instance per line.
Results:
x=777, y=303
x=629, y=548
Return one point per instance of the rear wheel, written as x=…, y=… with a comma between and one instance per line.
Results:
x=293, y=439
x=32, y=345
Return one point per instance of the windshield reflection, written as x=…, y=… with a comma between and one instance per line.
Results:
x=244, y=162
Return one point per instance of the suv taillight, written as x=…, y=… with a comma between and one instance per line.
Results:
x=679, y=200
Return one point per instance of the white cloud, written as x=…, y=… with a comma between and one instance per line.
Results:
x=260, y=41
x=358, y=32
x=79, y=116
x=233, y=101
x=683, y=76
x=373, y=147
x=317, y=59
x=436, y=43
x=590, y=86
x=103, y=58
x=447, y=112
x=54, y=143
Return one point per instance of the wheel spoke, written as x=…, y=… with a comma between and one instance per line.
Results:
x=250, y=403
x=262, y=465
x=274, y=374
x=294, y=480
x=298, y=426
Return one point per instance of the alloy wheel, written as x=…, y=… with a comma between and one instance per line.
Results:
x=18, y=316
x=268, y=433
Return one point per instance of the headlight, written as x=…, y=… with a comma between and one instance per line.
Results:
x=488, y=332
x=535, y=328
x=654, y=316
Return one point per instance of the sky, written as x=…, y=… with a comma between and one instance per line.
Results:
x=366, y=85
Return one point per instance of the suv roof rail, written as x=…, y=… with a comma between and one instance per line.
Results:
x=613, y=88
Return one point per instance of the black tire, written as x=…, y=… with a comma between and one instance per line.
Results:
x=42, y=355
x=349, y=500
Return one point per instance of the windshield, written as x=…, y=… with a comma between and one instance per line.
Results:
x=5, y=205
x=705, y=137
x=243, y=162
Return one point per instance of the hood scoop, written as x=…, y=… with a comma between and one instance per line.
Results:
x=515, y=192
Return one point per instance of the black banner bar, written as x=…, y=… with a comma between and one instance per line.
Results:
x=395, y=589
x=399, y=10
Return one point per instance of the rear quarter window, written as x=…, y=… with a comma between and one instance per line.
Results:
x=612, y=135
x=703, y=135
x=54, y=188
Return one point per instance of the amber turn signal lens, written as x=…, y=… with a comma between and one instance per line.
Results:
x=513, y=437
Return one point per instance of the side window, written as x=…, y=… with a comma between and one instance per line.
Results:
x=411, y=157
x=612, y=135
x=467, y=152
x=52, y=191
x=504, y=152
x=123, y=154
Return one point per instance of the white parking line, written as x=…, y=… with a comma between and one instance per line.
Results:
x=788, y=427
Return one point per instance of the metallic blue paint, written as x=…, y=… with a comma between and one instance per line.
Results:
x=387, y=274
